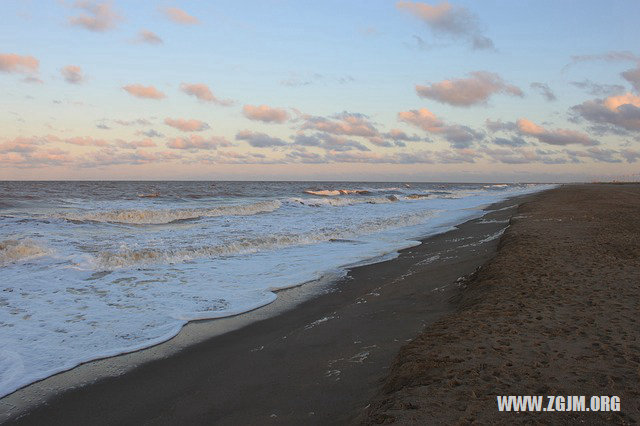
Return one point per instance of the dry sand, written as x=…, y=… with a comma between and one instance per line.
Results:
x=556, y=312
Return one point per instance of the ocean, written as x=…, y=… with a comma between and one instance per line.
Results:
x=96, y=269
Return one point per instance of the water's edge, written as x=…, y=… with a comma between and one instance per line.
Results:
x=196, y=331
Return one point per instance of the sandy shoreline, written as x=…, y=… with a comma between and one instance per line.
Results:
x=318, y=309
x=554, y=313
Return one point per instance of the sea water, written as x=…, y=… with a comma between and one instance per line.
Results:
x=95, y=269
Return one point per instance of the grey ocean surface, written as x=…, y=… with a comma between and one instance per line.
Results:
x=94, y=269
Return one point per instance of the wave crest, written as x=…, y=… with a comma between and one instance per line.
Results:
x=16, y=250
x=334, y=192
x=343, y=201
x=156, y=217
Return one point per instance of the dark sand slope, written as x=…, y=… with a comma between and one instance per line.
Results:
x=556, y=312
x=319, y=363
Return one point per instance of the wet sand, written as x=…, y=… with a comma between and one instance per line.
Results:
x=318, y=363
x=556, y=312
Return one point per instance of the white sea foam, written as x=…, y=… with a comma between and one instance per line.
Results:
x=334, y=192
x=160, y=216
x=94, y=290
x=343, y=201
x=18, y=250
x=132, y=257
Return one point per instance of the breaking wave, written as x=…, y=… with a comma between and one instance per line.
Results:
x=343, y=201
x=127, y=257
x=334, y=192
x=156, y=217
x=16, y=250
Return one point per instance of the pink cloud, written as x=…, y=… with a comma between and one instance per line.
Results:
x=203, y=93
x=465, y=92
x=614, y=102
x=614, y=112
x=146, y=36
x=265, y=113
x=86, y=141
x=10, y=62
x=179, y=16
x=22, y=144
x=197, y=142
x=72, y=74
x=186, y=125
x=553, y=137
x=422, y=118
x=457, y=135
x=97, y=17
x=349, y=124
x=145, y=92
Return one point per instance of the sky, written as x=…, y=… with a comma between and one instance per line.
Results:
x=467, y=91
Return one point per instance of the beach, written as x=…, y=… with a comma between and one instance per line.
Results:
x=537, y=297
x=320, y=362
x=554, y=313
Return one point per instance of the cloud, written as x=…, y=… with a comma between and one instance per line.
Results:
x=464, y=155
x=458, y=136
x=513, y=141
x=499, y=125
x=419, y=157
x=465, y=92
x=186, y=125
x=630, y=155
x=553, y=137
x=232, y=157
x=86, y=141
x=144, y=143
x=614, y=112
x=612, y=56
x=596, y=89
x=296, y=80
x=345, y=123
x=455, y=22
x=145, y=92
x=203, y=93
x=110, y=157
x=72, y=74
x=633, y=77
x=329, y=142
x=149, y=37
x=179, y=16
x=197, y=142
x=22, y=144
x=259, y=140
x=32, y=80
x=399, y=135
x=544, y=90
x=151, y=133
x=13, y=63
x=134, y=122
x=597, y=154
x=97, y=17
x=265, y=113
x=519, y=155
x=301, y=155
x=32, y=158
